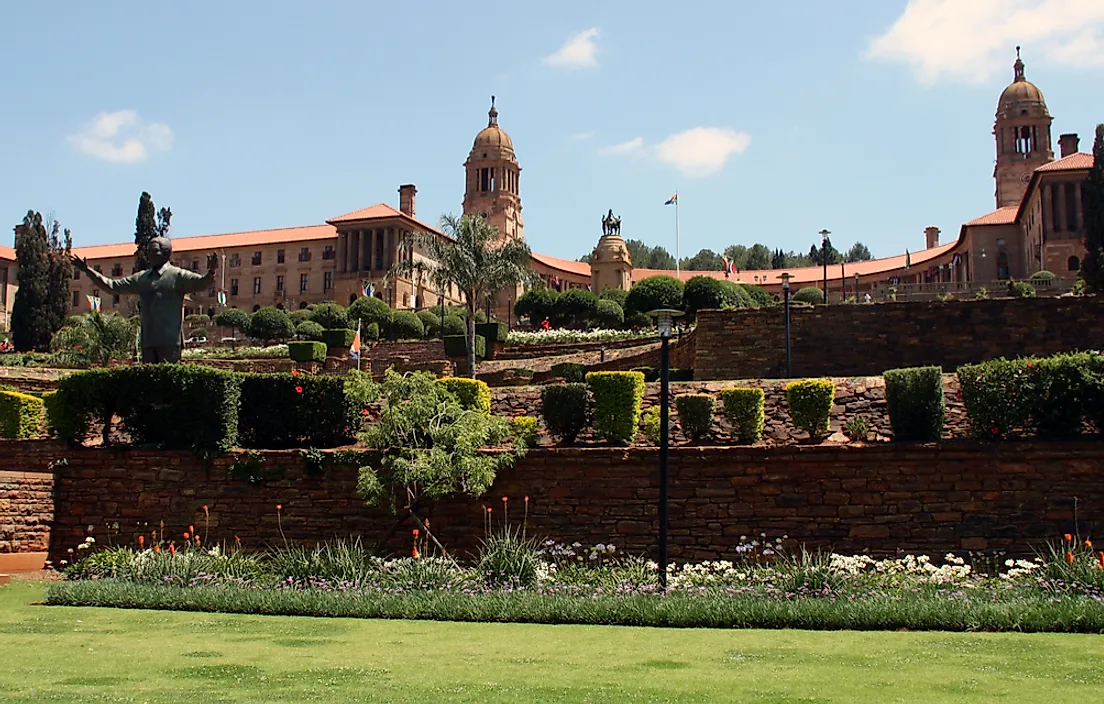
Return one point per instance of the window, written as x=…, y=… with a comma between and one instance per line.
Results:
x=76, y=275
x=327, y=281
x=115, y=300
x=1055, y=208
x=280, y=283
x=117, y=270
x=256, y=285
x=279, y=256
x=195, y=265
x=303, y=278
x=1073, y=264
x=256, y=258
x=1002, y=266
x=305, y=254
x=235, y=259
x=328, y=253
x=406, y=300
x=76, y=298
x=233, y=287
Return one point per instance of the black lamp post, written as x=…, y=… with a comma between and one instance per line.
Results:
x=786, y=305
x=824, y=260
x=664, y=323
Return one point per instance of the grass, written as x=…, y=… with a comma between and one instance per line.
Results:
x=67, y=654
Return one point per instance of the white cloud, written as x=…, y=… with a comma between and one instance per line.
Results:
x=582, y=136
x=702, y=151
x=122, y=137
x=971, y=40
x=579, y=51
x=629, y=148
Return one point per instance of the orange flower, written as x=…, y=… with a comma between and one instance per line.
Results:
x=186, y=535
x=279, y=507
x=1068, y=537
x=172, y=549
x=205, y=508
x=414, y=552
x=157, y=548
x=505, y=499
x=196, y=540
x=415, y=532
x=526, y=499
x=298, y=389
x=1088, y=544
x=1100, y=561
x=141, y=540
x=1069, y=558
x=191, y=529
x=295, y=372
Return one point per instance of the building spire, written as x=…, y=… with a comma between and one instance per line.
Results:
x=492, y=114
x=1018, y=67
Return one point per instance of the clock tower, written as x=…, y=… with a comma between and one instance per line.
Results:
x=1022, y=130
x=492, y=186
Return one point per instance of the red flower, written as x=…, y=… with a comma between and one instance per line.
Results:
x=186, y=535
x=279, y=507
x=995, y=431
x=295, y=372
x=1068, y=537
x=364, y=412
x=298, y=389
x=141, y=540
x=1069, y=558
x=172, y=549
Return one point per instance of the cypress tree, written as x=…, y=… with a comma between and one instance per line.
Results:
x=145, y=229
x=60, y=274
x=31, y=316
x=1092, y=266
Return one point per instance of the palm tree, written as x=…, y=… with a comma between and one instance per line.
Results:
x=95, y=339
x=472, y=256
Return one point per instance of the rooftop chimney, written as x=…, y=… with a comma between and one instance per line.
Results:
x=931, y=234
x=1069, y=144
x=406, y=199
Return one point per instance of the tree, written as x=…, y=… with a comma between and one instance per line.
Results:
x=576, y=307
x=473, y=257
x=816, y=252
x=310, y=330
x=702, y=292
x=609, y=314
x=1092, y=265
x=859, y=252
x=270, y=323
x=704, y=260
x=536, y=304
x=758, y=257
x=95, y=340
x=654, y=292
x=586, y=258
x=233, y=318
x=737, y=254
x=42, y=299
x=331, y=316
x=616, y=295
x=779, y=260
x=368, y=310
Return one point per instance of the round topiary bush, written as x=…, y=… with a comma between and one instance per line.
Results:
x=757, y=295
x=270, y=323
x=609, y=314
x=576, y=307
x=536, y=304
x=406, y=325
x=309, y=330
x=614, y=294
x=299, y=316
x=197, y=318
x=654, y=292
x=431, y=321
x=736, y=296
x=330, y=316
x=1043, y=275
x=368, y=310
x=811, y=295
x=453, y=325
x=233, y=318
x=702, y=292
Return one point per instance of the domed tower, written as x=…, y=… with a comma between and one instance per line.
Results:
x=492, y=179
x=1022, y=130
x=610, y=264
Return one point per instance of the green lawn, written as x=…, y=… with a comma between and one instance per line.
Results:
x=109, y=655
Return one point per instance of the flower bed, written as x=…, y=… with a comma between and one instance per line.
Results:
x=562, y=336
x=239, y=353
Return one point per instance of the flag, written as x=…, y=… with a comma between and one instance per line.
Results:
x=93, y=303
x=727, y=266
x=672, y=200
x=221, y=297
x=908, y=259
x=354, y=349
x=368, y=289
x=956, y=260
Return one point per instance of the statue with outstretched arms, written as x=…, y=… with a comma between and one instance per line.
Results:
x=161, y=290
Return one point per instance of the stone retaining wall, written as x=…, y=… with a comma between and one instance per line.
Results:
x=26, y=505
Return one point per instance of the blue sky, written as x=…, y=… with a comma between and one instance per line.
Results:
x=871, y=118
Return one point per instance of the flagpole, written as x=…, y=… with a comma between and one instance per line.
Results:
x=359, y=354
x=678, y=271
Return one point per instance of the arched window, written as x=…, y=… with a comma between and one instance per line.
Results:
x=1002, y=266
x=1073, y=264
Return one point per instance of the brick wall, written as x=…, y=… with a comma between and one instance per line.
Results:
x=920, y=499
x=26, y=508
x=427, y=354
x=857, y=340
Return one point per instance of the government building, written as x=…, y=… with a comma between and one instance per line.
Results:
x=1038, y=224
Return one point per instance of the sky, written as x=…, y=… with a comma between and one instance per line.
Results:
x=870, y=118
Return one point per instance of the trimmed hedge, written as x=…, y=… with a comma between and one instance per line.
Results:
x=650, y=373
x=406, y=325
x=744, y=409
x=370, y=332
x=307, y=351
x=453, y=325
x=996, y=397
x=457, y=346
x=524, y=429
x=571, y=372
x=810, y=403
x=914, y=397
x=695, y=414
x=338, y=338
x=20, y=415
x=286, y=410
x=81, y=399
x=809, y=294
x=310, y=330
x=566, y=410
x=473, y=394
x=617, y=400
x=493, y=332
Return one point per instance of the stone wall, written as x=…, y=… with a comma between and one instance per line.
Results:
x=862, y=397
x=856, y=340
x=26, y=506
x=883, y=500
x=427, y=354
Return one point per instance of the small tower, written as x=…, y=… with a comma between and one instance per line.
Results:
x=1022, y=130
x=610, y=264
x=492, y=179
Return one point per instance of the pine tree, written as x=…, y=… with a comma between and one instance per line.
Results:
x=60, y=273
x=145, y=229
x=1092, y=266
x=30, y=319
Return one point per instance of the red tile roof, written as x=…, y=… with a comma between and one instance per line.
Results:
x=380, y=211
x=7, y=253
x=208, y=243
x=1073, y=162
x=564, y=265
x=1000, y=216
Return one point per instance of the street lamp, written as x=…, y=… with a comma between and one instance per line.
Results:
x=664, y=323
x=786, y=305
x=824, y=260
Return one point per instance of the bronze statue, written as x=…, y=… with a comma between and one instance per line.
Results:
x=161, y=290
x=611, y=224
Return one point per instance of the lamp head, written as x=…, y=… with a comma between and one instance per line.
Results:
x=664, y=320
x=786, y=280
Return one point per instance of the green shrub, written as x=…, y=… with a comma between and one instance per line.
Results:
x=368, y=310
x=617, y=400
x=735, y=296
x=370, y=332
x=282, y=410
x=457, y=346
x=494, y=332
x=302, y=315
x=307, y=351
x=1063, y=390
x=575, y=307
x=234, y=318
x=695, y=414
x=453, y=325
x=997, y=397
x=474, y=395
x=650, y=373
x=406, y=325
x=524, y=429
x=536, y=304
x=702, y=292
x=566, y=410
x=81, y=400
x=197, y=318
x=652, y=424
x=431, y=321
x=199, y=332
x=310, y=330
x=758, y=295
x=616, y=295
x=654, y=292
x=744, y=409
x=914, y=397
x=680, y=375
x=270, y=323
x=609, y=314
x=810, y=403
x=331, y=316
x=810, y=294
x=571, y=372
x=20, y=415
x=1020, y=289
x=1043, y=275
x=341, y=338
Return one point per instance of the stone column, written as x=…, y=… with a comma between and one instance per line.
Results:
x=366, y=250
x=342, y=252
x=377, y=243
x=1060, y=214
x=354, y=251
x=1080, y=200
